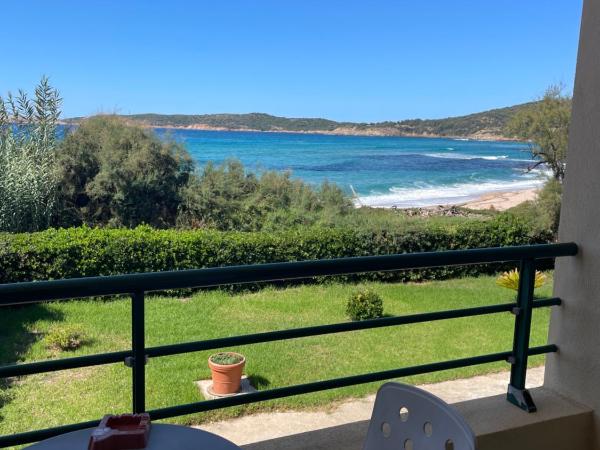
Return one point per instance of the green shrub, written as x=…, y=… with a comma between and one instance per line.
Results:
x=65, y=337
x=83, y=251
x=114, y=173
x=364, y=304
x=549, y=203
x=229, y=197
x=543, y=213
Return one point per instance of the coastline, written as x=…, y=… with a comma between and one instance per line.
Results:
x=501, y=201
x=494, y=200
x=481, y=135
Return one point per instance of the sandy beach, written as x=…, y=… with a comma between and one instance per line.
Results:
x=501, y=201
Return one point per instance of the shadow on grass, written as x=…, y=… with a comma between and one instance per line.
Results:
x=17, y=336
x=259, y=382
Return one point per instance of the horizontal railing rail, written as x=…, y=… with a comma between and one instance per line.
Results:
x=15, y=370
x=137, y=284
x=35, y=291
x=272, y=394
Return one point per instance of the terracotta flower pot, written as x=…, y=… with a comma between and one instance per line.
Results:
x=226, y=378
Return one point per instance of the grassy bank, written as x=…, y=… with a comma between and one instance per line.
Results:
x=45, y=400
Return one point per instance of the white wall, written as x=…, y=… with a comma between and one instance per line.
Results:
x=575, y=326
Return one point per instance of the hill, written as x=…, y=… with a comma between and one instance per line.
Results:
x=484, y=125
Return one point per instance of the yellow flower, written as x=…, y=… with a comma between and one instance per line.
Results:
x=510, y=279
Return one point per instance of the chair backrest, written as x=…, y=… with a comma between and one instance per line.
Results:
x=408, y=418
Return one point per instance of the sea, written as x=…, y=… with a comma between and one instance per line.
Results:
x=377, y=171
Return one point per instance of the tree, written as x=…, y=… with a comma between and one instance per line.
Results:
x=117, y=174
x=28, y=139
x=546, y=124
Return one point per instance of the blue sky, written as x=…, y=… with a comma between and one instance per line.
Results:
x=345, y=60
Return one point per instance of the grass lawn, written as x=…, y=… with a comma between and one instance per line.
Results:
x=45, y=400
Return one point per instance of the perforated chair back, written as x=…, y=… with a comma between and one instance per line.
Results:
x=408, y=418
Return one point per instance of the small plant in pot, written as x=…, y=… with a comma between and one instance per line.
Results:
x=226, y=371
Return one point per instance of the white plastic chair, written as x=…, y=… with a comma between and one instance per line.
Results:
x=407, y=418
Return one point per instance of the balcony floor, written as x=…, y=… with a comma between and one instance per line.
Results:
x=267, y=426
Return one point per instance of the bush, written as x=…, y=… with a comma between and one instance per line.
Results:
x=364, y=304
x=113, y=173
x=65, y=337
x=543, y=213
x=83, y=251
x=549, y=203
x=228, y=197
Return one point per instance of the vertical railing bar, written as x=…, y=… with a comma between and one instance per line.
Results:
x=139, y=352
x=517, y=393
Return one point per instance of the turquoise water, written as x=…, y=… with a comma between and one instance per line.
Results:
x=382, y=171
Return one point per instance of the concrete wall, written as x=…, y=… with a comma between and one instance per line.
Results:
x=575, y=327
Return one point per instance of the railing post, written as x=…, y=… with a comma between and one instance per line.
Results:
x=517, y=394
x=138, y=361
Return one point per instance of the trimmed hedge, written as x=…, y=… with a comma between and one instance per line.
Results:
x=80, y=252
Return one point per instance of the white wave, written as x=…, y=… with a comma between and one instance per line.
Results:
x=429, y=195
x=469, y=157
x=450, y=155
x=494, y=158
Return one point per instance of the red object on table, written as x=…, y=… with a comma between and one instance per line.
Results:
x=127, y=431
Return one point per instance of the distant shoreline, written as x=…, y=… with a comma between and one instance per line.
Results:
x=487, y=125
x=480, y=136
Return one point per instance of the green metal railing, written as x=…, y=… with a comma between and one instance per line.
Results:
x=137, y=285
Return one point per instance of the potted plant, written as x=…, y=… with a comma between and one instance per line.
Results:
x=226, y=372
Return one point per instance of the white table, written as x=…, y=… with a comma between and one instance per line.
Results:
x=162, y=437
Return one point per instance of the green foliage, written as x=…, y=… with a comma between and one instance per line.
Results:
x=112, y=173
x=116, y=174
x=65, y=337
x=226, y=358
x=549, y=203
x=28, y=180
x=491, y=122
x=546, y=124
x=226, y=197
x=543, y=213
x=364, y=304
x=79, y=252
